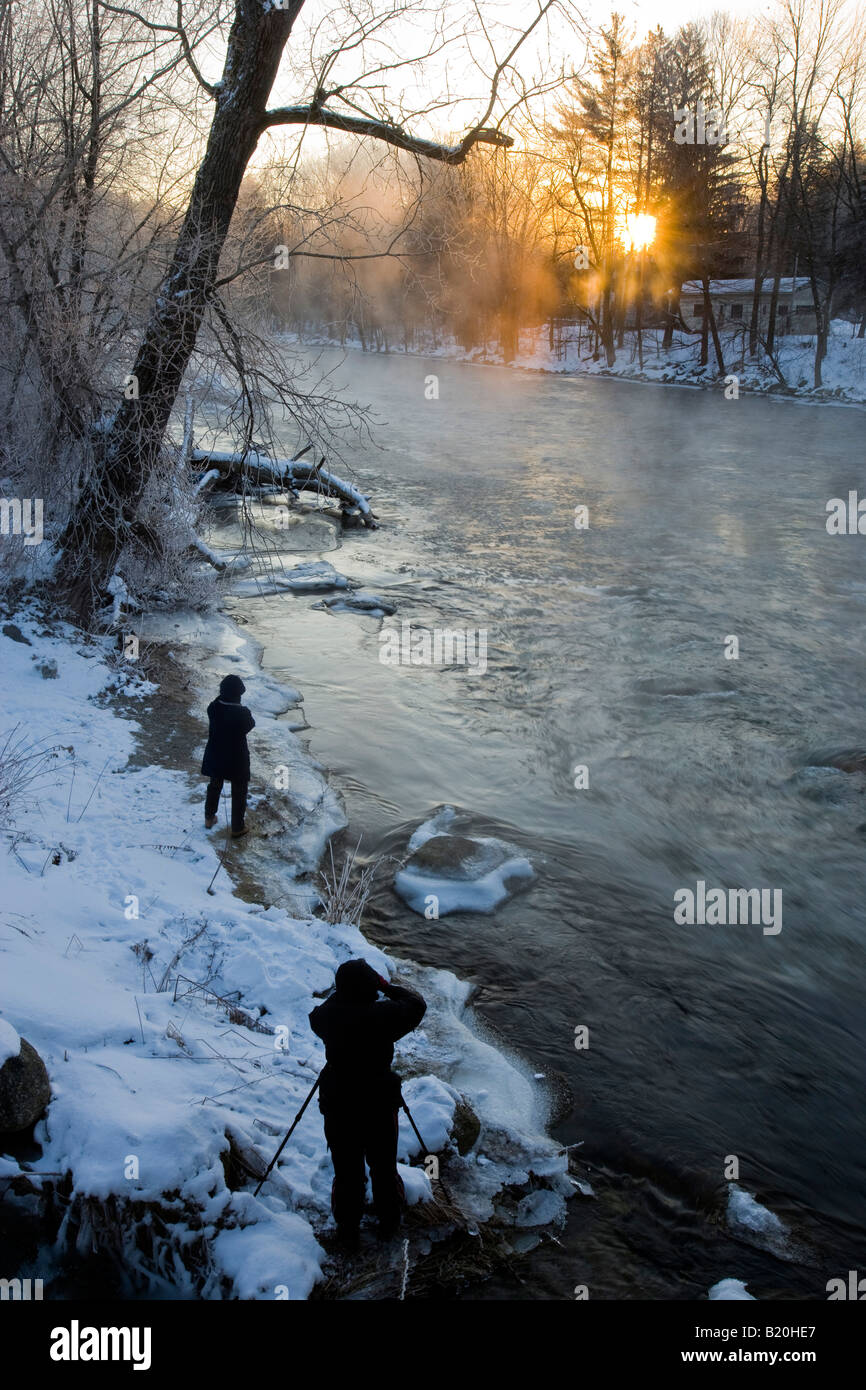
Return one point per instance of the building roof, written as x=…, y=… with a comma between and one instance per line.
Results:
x=720, y=288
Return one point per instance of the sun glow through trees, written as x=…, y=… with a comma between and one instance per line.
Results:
x=636, y=230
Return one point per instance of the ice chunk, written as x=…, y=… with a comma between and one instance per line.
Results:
x=747, y=1217
x=540, y=1208
x=730, y=1290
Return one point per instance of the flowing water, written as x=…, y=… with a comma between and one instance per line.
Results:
x=607, y=649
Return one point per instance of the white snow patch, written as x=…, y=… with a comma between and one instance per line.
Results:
x=416, y=1184
x=730, y=1290
x=432, y=1105
x=274, y=1256
x=10, y=1043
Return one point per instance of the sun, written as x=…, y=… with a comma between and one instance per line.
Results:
x=636, y=230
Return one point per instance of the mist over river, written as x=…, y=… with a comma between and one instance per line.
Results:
x=606, y=648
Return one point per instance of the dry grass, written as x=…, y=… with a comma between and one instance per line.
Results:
x=343, y=892
x=25, y=764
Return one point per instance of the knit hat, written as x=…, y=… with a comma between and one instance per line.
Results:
x=356, y=981
x=231, y=688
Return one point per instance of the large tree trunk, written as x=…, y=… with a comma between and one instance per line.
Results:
x=621, y=301
x=126, y=451
x=639, y=310
x=126, y=448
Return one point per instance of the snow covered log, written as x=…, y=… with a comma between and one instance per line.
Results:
x=291, y=474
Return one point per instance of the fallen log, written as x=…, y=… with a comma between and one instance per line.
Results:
x=290, y=474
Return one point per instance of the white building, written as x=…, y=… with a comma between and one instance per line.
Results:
x=732, y=304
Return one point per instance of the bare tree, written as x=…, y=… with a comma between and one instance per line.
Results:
x=126, y=452
x=77, y=243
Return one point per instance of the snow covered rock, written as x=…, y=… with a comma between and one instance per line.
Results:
x=361, y=601
x=313, y=577
x=463, y=873
x=24, y=1086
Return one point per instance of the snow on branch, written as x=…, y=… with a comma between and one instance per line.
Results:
x=290, y=473
x=313, y=114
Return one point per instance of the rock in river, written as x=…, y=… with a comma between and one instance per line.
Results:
x=844, y=760
x=458, y=873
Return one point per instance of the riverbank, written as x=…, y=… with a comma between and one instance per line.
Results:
x=168, y=994
x=843, y=369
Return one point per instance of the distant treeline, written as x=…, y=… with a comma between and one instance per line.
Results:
x=739, y=145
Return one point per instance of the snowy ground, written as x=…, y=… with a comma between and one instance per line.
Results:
x=843, y=370
x=122, y=970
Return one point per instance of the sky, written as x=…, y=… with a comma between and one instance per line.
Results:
x=462, y=66
x=670, y=14
x=504, y=18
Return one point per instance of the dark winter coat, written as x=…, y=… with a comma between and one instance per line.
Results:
x=359, y=1039
x=226, y=754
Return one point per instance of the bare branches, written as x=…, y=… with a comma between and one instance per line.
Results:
x=177, y=30
x=355, y=121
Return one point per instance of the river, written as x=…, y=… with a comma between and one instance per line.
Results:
x=607, y=649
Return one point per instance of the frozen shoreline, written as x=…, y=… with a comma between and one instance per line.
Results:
x=844, y=368
x=107, y=900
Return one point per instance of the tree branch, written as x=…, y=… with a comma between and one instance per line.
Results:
x=176, y=29
x=313, y=114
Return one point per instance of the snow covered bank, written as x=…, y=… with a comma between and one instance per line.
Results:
x=172, y=1014
x=843, y=370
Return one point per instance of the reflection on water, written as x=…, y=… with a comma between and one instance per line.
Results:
x=606, y=648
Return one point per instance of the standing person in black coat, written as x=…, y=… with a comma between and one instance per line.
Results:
x=226, y=757
x=359, y=1094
